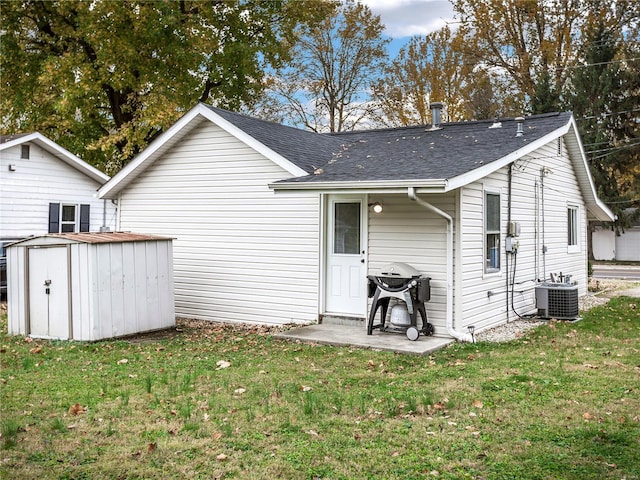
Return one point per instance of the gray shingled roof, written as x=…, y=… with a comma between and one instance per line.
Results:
x=305, y=149
x=406, y=153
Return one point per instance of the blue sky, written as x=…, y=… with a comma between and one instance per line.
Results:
x=406, y=18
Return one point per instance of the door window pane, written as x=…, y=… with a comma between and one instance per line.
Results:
x=346, y=228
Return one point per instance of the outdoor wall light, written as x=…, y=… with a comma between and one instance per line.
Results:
x=377, y=207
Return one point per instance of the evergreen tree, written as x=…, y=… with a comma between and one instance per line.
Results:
x=605, y=99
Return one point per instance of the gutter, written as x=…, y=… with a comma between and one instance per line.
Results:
x=463, y=337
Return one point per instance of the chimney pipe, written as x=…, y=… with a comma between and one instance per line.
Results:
x=436, y=109
x=520, y=123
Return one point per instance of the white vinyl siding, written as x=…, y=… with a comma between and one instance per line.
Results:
x=41, y=179
x=241, y=252
x=539, y=203
x=406, y=232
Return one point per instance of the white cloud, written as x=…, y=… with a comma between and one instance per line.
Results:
x=405, y=18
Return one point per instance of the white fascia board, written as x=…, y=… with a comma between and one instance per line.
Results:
x=61, y=153
x=379, y=186
x=253, y=143
x=596, y=207
x=145, y=158
x=481, y=172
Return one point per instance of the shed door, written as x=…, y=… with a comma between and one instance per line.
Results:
x=345, y=257
x=49, y=292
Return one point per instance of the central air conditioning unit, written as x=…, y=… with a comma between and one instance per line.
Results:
x=557, y=300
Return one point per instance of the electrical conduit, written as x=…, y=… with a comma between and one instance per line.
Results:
x=463, y=337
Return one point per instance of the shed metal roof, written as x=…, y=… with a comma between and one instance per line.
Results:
x=92, y=237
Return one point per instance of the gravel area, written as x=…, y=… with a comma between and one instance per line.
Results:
x=600, y=292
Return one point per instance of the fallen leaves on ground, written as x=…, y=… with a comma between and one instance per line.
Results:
x=76, y=409
x=221, y=364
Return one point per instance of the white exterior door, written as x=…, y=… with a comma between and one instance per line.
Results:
x=346, y=286
x=48, y=292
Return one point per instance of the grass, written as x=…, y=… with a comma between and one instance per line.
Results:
x=560, y=402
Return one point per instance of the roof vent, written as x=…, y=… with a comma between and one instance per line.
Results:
x=436, y=111
x=520, y=122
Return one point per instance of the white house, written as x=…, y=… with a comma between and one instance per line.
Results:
x=46, y=189
x=274, y=225
x=625, y=246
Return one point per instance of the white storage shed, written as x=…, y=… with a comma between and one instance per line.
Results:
x=90, y=286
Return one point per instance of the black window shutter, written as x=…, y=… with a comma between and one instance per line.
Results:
x=85, y=221
x=54, y=218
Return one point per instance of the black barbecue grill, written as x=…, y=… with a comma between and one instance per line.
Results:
x=409, y=290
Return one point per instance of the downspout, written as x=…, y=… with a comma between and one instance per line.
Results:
x=463, y=337
x=104, y=227
x=506, y=255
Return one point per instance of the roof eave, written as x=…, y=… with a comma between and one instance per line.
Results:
x=388, y=186
x=595, y=206
x=481, y=172
x=60, y=153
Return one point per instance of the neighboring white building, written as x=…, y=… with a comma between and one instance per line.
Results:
x=274, y=225
x=46, y=189
x=607, y=245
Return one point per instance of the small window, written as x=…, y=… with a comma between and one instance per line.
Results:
x=573, y=229
x=24, y=152
x=492, y=232
x=68, y=219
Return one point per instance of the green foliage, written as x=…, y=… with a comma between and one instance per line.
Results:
x=604, y=96
x=104, y=78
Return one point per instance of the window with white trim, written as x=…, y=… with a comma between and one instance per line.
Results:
x=573, y=228
x=68, y=218
x=491, y=232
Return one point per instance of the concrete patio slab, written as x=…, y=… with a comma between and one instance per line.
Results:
x=356, y=336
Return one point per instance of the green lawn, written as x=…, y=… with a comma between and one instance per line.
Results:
x=563, y=402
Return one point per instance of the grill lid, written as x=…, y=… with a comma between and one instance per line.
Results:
x=399, y=270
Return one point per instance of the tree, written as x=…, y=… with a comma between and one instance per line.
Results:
x=531, y=42
x=605, y=98
x=429, y=68
x=326, y=86
x=105, y=78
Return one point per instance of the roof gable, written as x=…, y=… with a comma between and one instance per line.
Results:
x=248, y=130
x=10, y=141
